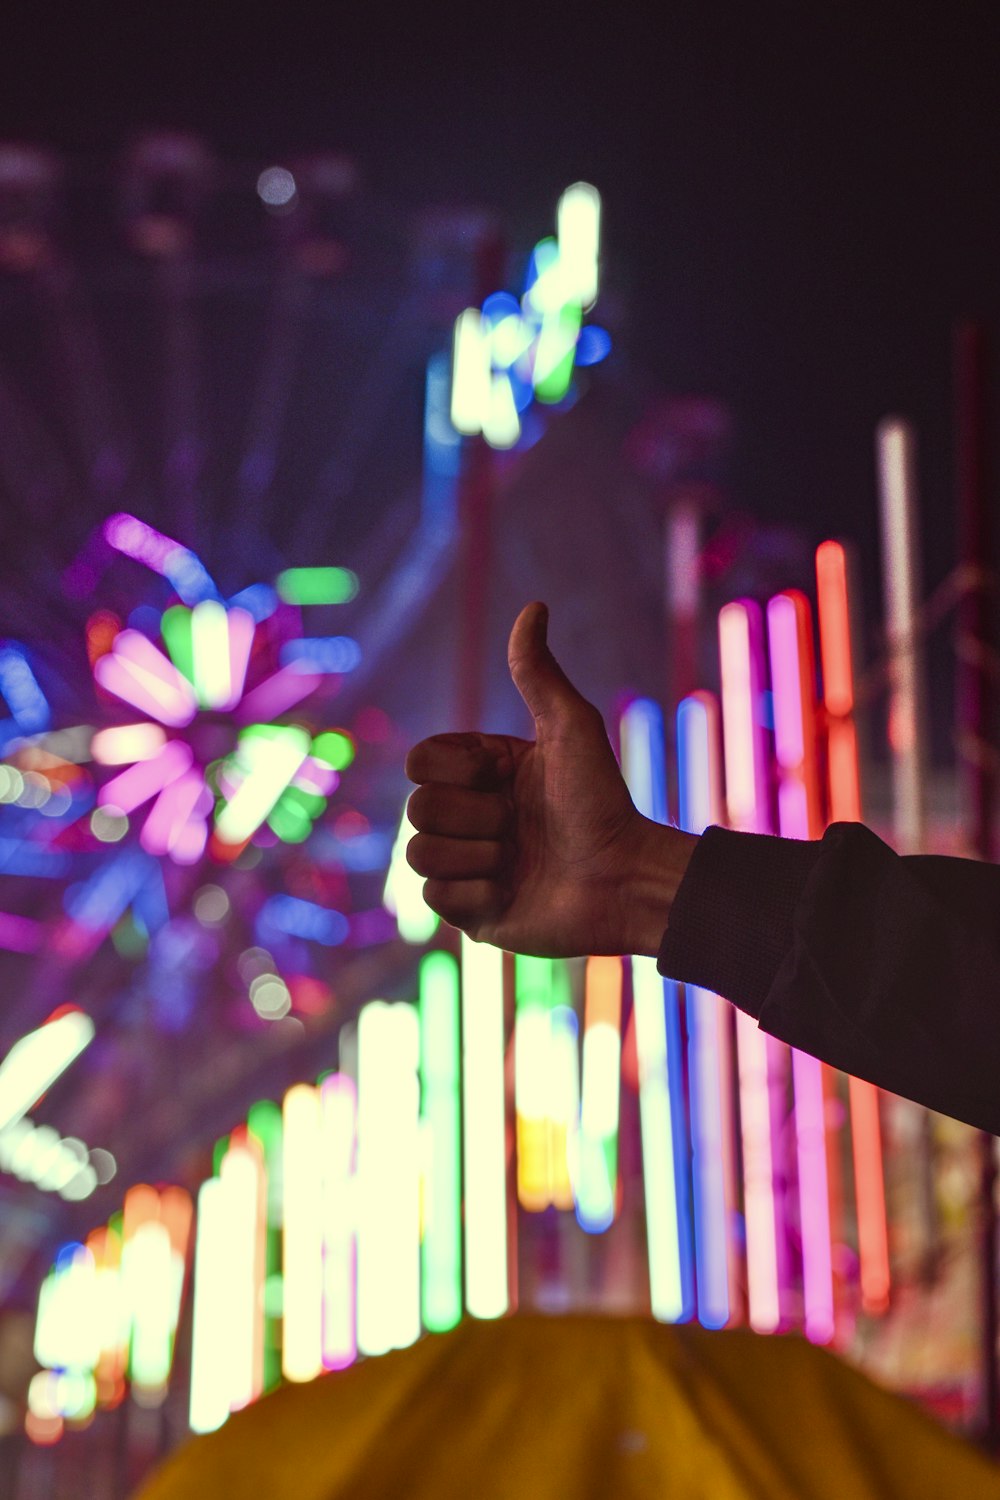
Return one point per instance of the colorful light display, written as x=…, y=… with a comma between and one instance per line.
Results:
x=378, y=1202
x=511, y=352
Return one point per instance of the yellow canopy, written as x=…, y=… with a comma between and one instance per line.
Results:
x=568, y=1408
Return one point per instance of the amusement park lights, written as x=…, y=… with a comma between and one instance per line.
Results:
x=34, y=1063
x=511, y=352
x=204, y=678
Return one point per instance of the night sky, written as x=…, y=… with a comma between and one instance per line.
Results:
x=797, y=206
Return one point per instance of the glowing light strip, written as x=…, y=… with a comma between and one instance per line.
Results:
x=471, y=377
x=388, y=1177
x=741, y=653
x=486, y=1294
x=901, y=579
x=124, y=743
x=339, y=1102
x=578, y=218
x=713, y=1169
x=135, y=671
x=302, y=1257
x=441, y=1249
x=210, y=1385
x=799, y=816
x=657, y=1028
x=403, y=894
x=532, y=1080
x=143, y=780
x=845, y=806
x=597, y=1170
x=271, y=761
x=210, y=653
x=34, y=1062
x=242, y=1178
x=564, y=1102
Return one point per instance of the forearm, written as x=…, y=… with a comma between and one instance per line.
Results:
x=887, y=967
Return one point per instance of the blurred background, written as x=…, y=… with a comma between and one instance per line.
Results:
x=232, y=255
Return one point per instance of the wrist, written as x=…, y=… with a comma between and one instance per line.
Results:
x=661, y=858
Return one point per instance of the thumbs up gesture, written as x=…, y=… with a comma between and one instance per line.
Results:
x=536, y=845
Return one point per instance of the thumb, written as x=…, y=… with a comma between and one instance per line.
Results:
x=537, y=675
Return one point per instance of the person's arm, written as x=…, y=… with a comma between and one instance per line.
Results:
x=885, y=966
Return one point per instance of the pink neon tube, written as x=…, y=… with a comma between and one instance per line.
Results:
x=761, y=1059
x=800, y=817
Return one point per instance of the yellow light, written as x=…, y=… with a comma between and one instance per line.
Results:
x=578, y=218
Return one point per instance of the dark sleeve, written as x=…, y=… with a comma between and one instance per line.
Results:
x=883, y=965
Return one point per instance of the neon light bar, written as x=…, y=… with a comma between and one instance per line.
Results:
x=317, y=585
x=486, y=1292
x=441, y=1250
x=403, y=894
x=34, y=1062
x=800, y=816
x=210, y=653
x=901, y=581
x=135, y=671
x=339, y=1103
x=302, y=1262
x=166, y=824
x=698, y=776
x=761, y=1060
x=845, y=806
x=578, y=219
x=564, y=1102
x=210, y=1349
x=278, y=693
x=176, y=630
x=388, y=1177
x=597, y=1174
x=328, y=654
x=20, y=691
x=470, y=381
x=658, y=1045
x=533, y=1079
x=146, y=778
x=181, y=567
x=270, y=760
x=264, y=1128
x=125, y=743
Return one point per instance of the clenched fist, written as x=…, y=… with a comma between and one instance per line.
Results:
x=536, y=845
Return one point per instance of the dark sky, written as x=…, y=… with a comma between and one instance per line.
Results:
x=799, y=200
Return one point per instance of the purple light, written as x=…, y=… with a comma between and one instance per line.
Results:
x=174, y=806
x=20, y=934
x=135, y=671
x=276, y=694
x=178, y=564
x=143, y=780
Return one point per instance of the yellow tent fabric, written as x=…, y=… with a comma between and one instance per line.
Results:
x=568, y=1408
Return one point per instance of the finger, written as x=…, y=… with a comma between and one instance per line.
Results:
x=466, y=903
x=455, y=859
x=456, y=812
x=537, y=675
x=471, y=760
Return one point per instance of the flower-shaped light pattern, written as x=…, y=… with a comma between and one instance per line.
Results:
x=215, y=758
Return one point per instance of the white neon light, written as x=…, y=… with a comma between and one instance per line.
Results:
x=659, y=1181
x=486, y=1293
x=210, y=653
x=578, y=219
x=302, y=1262
x=35, y=1062
x=471, y=376
x=271, y=761
x=388, y=1177
x=403, y=895
x=210, y=1357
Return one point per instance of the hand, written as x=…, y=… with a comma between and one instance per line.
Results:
x=536, y=846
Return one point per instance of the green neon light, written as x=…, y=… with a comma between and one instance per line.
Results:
x=175, y=628
x=441, y=1250
x=317, y=585
x=334, y=748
